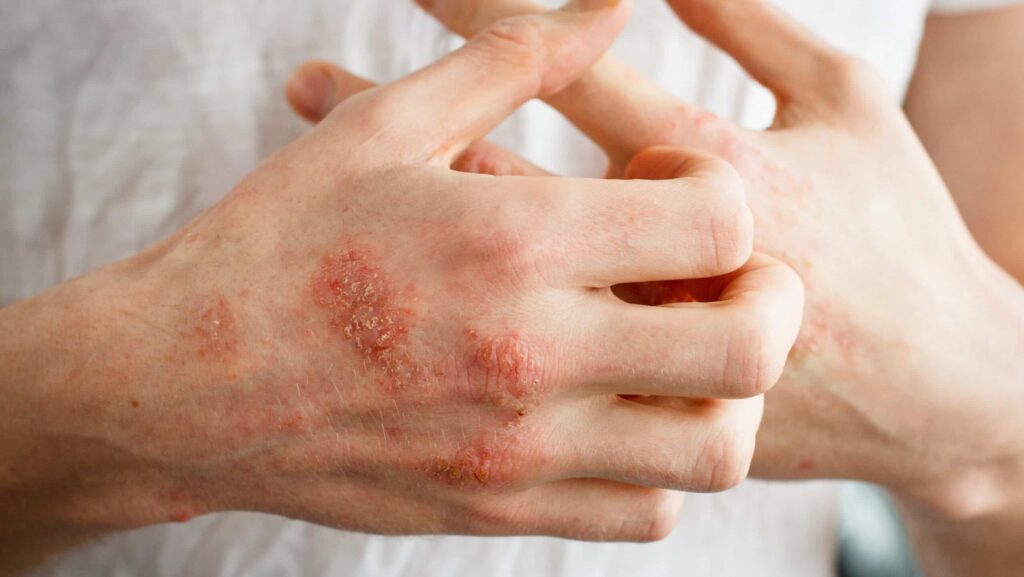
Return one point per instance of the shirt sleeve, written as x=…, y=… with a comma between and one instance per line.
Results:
x=953, y=6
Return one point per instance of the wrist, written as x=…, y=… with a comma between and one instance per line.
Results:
x=974, y=466
x=69, y=368
x=972, y=526
x=976, y=494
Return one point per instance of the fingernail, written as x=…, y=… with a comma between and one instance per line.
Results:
x=588, y=5
x=312, y=90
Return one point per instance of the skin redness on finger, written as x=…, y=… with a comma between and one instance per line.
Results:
x=362, y=309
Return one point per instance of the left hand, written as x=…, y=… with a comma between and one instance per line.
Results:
x=908, y=371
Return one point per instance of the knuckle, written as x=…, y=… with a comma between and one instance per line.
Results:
x=724, y=461
x=518, y=42
x=509, y=371
x=854, y=74
x=516, y=260
x=852, y=83
x=521, y=32
x=506, y=244
x=369, y=111
x=482, y=466
x=505, y=251
x=521, y=245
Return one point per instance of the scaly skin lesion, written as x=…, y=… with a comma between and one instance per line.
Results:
x=362, y=309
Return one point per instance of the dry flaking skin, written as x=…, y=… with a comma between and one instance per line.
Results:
x=363, y=310
x=505, y=369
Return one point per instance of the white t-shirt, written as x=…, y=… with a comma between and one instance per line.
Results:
x=120, y=120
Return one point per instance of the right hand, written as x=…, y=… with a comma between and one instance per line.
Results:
x=360, y=337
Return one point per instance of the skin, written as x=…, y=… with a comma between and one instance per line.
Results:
x=969, y=113
x=356, y=324
x=898, y=378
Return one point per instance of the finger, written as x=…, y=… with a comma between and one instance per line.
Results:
x=788, y=59
x=316, y=88
x=735, y=347
x=584, y=509
x=698, y=448
x=599, y=233
x=660, y=162
x=484, y=157
x=619, y=109
x=434, y=114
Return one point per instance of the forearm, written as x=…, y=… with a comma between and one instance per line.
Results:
x=970, y=522
x=61, y=480
x=967, y=110
x=966, y=103
x=986, y=545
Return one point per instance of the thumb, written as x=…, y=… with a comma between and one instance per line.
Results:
x=666, y=163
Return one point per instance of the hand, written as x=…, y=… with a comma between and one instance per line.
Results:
x=360, y=337
x=903, y=308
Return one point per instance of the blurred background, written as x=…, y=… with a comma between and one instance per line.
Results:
x=873, y=542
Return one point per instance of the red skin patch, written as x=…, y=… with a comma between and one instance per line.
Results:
x=180, y=500
x=505, y=369
x=475, y=464
x=479, y=462
x=363, y=310
x=472, y=464
x=217, y=332
x=293, y=421
x=180, y=517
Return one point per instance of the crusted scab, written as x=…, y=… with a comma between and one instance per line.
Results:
x=506, y=369
x=485, y=460
x=472, y=464
x=363, y=310
x=181, y=503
